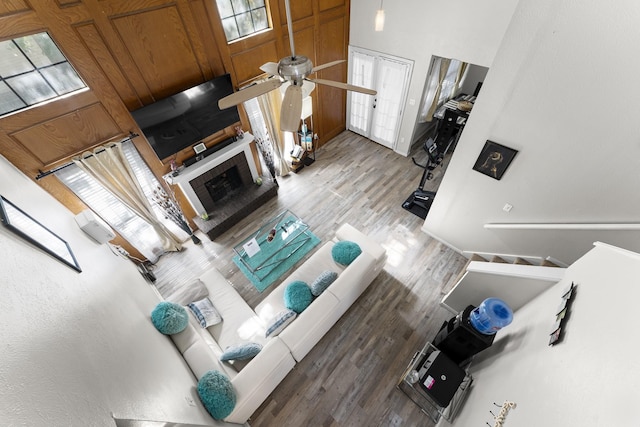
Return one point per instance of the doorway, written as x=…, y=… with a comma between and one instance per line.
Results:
x=451, y=89
x=377, y=117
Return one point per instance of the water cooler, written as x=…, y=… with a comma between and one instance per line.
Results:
x=437, y=378
x=472, y=330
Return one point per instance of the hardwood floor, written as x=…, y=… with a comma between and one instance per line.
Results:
x=350, y=376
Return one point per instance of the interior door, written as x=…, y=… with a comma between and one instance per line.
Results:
x=377, y=117
x=360, y=106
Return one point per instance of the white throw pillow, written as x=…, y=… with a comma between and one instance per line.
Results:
x=241, y=351
x=194, y=291
x=205, y=312
x=281, y=321
x=322, y=282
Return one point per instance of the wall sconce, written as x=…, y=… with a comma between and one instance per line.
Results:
x=380, y=18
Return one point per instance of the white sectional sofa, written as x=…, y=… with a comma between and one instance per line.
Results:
x=254, y=380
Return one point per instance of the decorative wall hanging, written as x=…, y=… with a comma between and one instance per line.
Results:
x=501, y=417
x=562, y=314
x=494, y=159
x=21, y=223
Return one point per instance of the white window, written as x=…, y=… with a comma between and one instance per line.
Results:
x=362, y=74
x=377, y=117
x=33, y=70
x=450, y=83
x=242, y=18
x=441, y=88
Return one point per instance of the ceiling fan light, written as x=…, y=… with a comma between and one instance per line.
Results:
x=307, y=87
x=380, y=20
x=307, y=107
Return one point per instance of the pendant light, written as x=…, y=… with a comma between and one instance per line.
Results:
x=380, y=18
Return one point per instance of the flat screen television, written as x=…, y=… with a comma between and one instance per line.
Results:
x=186, y=118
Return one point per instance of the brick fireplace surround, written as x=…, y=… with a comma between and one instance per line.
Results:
x=238, y=202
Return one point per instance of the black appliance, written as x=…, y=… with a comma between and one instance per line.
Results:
x=459, y=340
x=186, y=118
x=440, y=377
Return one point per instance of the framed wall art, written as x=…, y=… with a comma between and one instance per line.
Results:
x=22, y=224
x=494, y=159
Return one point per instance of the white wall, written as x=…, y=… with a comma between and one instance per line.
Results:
x=467, y=30
x=475, y=75
x=79, y=347
x=560, y=91
x=590, y=378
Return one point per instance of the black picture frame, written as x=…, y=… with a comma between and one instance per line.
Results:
x=25, y=226
x=494, y=159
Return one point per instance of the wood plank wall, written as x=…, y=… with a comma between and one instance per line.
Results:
x=133, y=52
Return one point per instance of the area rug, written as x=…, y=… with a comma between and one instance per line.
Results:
x=287, y=264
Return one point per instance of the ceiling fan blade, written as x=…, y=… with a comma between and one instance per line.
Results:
x=250, y=92
x=327, y=65
x=270, y=68
x=344, y=86
x=291, y=109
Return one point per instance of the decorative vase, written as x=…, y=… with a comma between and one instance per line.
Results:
x=183, y=224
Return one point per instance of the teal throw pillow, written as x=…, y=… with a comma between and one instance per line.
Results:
x=217, y=394
x=297, y=296
x=241, y=351
x=344, y=252
x=169, y=318
x=322, y=282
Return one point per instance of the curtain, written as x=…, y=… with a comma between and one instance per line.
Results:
x=261, y=134
x=109, y=167
x=437, y=75
x=122, y=219
x=270, y=105
x=362, y=71
x=461, y=76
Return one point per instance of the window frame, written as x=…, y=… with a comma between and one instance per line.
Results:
x=43, y=72
x=255, y=32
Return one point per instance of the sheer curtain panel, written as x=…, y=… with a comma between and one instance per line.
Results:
x=270, y=105
x=115, y=182
x=362, y=74
x=445, y=78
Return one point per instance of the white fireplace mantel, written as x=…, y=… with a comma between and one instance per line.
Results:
x=198, y=168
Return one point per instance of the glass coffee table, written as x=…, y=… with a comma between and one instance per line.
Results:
x=276, y=240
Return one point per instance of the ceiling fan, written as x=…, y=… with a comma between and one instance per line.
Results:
x=294, y=70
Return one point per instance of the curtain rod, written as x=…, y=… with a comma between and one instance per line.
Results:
x=66, y=165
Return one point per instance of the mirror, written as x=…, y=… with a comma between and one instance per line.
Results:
x=21, y=223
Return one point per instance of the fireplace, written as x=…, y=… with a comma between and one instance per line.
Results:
x=221, y=187
x=224, y=185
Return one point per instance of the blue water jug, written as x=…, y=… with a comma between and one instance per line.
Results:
x=490, y=316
